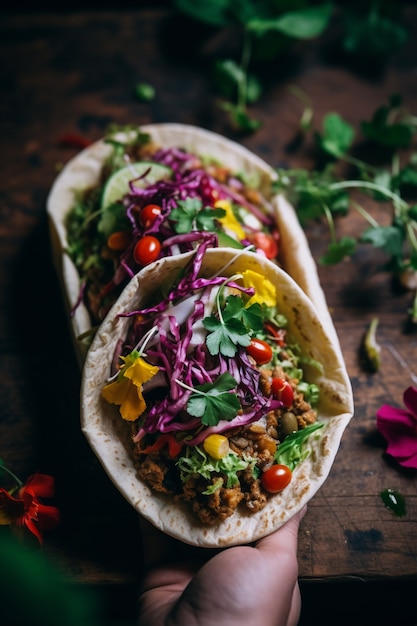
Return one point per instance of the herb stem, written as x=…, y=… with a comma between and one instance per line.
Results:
x=185, y=386
x=367, y=216
x=307, y=115
x=330, y=222
x=244, y=64
x=363, y=184
x=5, y=469
x=411, y=235
x=361, y=165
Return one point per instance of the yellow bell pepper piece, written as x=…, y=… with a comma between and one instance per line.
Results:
x=265, y=291
x=229, y=221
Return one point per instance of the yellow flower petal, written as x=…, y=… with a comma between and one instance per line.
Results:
x=265, y=291
x=128, y=396
x=127, y=389
x=229, y=221
x=140, y=371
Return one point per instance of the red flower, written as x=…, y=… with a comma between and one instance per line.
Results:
x=27, y=509
x=399, y=428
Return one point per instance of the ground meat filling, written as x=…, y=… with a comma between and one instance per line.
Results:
x=212, y=505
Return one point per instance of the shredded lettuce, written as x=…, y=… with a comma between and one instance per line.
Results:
x=291, y=451
x=198, y=463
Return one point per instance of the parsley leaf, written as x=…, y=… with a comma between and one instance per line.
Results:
x=225, y=335
x=302, y=24
x=232, y=327
x=373, y=36
x=389, y=126
x=213, y=401
x=229, y=76
x=388, y=238
x=189, y=214
x=337, y=135
x=338, y=250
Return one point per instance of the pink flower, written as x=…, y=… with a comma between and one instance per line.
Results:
x=399, y=428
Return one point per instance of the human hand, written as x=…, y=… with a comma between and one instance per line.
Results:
x=241, y=585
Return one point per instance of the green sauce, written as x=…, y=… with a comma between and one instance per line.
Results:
x=394, y=501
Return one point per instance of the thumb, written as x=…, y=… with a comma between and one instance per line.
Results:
x=285, y=539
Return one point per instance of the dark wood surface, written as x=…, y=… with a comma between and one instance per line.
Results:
x=76, y=72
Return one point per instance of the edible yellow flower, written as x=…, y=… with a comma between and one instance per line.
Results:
x=127, y=389
x=265, y=291
x=229, y=221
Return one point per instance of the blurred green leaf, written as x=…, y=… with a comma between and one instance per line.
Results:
x=302, y=24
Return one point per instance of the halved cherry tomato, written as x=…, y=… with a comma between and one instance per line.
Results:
x=276, y=478
x=147, y=250
x=266, y=243
x=148, y=214
x=260, y=351
x=282, y=390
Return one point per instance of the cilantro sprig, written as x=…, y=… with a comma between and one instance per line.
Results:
x=232, y=326
x=190, y=214
x=324, y=192
x=213, y=401
x=267, y=30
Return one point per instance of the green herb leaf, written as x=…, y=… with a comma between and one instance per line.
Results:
x=251, y=316
x=290, y=451
x=189, y=214
x=240, y=118
x=388, y=127
x=302, y=24
x=225, y=335
x=388, y=238
x=407, y=176
x=145, y=92
x=233, y=327
x=213, y=401
x=229, y=77
x=375, y=36
x=337, y=135
x=338, y=250
x=215, y=12
x=113, y=218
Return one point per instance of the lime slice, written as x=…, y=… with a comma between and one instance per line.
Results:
x=118, y=184
x=225, y=241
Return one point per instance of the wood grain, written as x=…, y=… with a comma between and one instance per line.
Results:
x=76, y=72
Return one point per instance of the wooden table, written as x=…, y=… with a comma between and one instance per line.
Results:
x=76, y=72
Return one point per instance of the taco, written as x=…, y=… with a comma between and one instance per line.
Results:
x=158, y=190
x=215, y=396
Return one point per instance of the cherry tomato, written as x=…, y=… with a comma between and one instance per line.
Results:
x=119, y=240
x=148, y=214
x=260, y=351
x=282, y=390
x=266, y=243
x=276, y=478
x=147, y=250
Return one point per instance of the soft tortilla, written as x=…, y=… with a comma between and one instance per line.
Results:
x=110, y=439
x=84, y=169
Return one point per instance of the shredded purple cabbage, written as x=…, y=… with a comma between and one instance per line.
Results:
x=193, y=365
